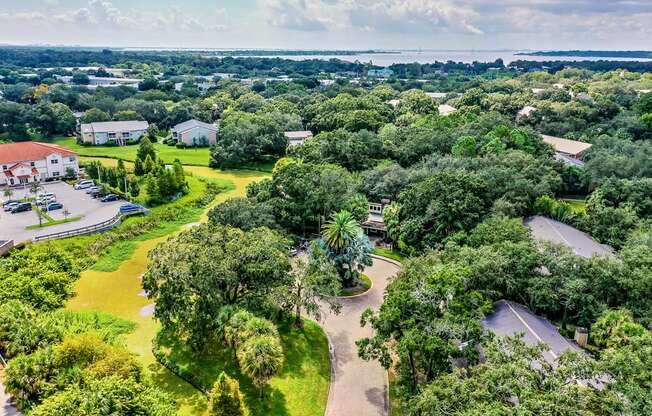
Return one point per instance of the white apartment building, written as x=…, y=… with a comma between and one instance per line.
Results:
x=26, y=162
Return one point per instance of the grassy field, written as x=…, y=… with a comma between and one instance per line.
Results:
x=390, y=254
x=113, y=285
x=192, y=156
x=52, y=222
x=188, y=157
x=578, y=205
x=301, y=389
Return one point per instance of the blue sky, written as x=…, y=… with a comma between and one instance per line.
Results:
x=331, y=24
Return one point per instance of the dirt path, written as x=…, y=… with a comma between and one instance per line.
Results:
x=358, y=387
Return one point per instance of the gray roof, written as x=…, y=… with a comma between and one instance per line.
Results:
x=509, y=319
x=114, y=126
x=191, y=124
x=582, y=244
x=302, y=134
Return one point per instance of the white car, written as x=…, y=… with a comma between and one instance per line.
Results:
x=11, y=206
x=43, y=195
x=84, y=184
x=45, y=200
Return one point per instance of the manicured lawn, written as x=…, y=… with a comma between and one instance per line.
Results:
x=193, y=156
x=300, y=390
x=390, y=254
x=52, y=222
x=578, y=205
x=366, y=285
x=190, y=157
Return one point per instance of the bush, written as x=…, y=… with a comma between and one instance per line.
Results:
x=181, y=145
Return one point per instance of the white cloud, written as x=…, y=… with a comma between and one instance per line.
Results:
x=372, y=15
x=103, y=15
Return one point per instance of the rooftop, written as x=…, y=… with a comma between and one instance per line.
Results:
x=23, y=151
x=300, y=134
x=446, y=109
x=113, y=126
x=191, y=124
x=546, y=229
x=509, y=319
x=570, y=147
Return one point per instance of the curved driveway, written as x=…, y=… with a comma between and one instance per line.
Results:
x=358, y=387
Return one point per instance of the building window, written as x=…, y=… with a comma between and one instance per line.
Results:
x=55, y=174
x=126, y=134
x=54, y=161
x=71, y=159
x=32, y=164
x=111, y=135
x=4, y=167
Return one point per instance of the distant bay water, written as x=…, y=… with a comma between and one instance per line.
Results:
x=466, y=56
x=382, y=57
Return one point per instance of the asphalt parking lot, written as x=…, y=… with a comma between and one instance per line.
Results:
x=77, y=202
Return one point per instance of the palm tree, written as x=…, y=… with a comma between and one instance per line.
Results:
x=35, y=187
x=8, y=193
x=340, y=230
x=260, y=359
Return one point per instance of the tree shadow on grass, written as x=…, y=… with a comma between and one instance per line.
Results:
x=182, y=392
x=205, y=367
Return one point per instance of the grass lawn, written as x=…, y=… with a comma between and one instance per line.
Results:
x=189, y=157
x=52, y=222
x=365, y=284
x=578, y=205
x=300, y=390
x=390, y=254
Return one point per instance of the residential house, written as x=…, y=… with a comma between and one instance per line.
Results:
x=297, y=137
x=195, y=133
x=27, y=162
x=446, y=109
x=568, y=151
x=394, y=103
x=511, y=319
x=117, y=132
x=380, y=73
x=525, y=112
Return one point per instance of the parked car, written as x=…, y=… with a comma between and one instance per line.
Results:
x=54, y=205
x=10, y=206
x=43, y=195
x=22, y=207
x=84, y=184
x=11, y=201
x=129, y=208
x=110, y=198
x=45, y=200
x=93, y=189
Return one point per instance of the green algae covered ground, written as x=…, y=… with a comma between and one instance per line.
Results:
x=115, y=288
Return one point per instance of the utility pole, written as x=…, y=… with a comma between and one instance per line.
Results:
x=126, y=190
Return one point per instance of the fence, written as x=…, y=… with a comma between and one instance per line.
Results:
x=6, y=246
x=102, y=226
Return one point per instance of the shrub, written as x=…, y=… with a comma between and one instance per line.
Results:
x=181, y=145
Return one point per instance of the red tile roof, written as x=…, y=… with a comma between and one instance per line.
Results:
x=27, y=151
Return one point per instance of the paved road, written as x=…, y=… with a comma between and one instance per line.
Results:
x=358, y=387
x=559, y=233
x=6, y=409
x=78, y=203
